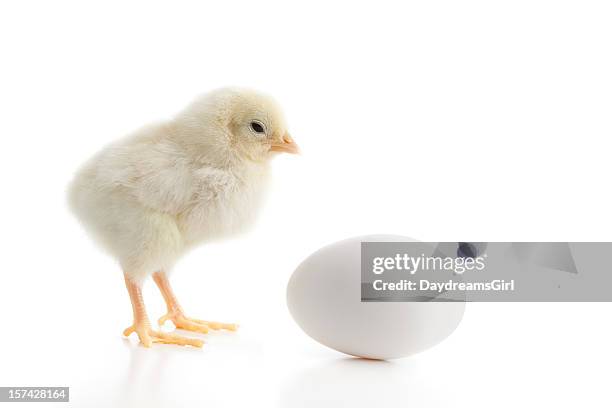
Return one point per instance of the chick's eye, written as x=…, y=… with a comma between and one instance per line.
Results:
x=257, y=127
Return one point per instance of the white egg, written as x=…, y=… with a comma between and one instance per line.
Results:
x=324, y=298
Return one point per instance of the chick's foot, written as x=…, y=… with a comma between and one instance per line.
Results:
x=148, y=336
x=195, y=325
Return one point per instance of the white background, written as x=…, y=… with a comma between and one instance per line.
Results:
x=458, y=121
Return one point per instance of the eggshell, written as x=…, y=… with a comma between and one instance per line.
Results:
x=324, y=298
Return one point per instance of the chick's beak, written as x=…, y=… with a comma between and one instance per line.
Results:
x=287, y=145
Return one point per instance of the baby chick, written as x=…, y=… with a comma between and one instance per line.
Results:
x=150, y=197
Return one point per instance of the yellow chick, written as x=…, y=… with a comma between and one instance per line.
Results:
x=153, y=195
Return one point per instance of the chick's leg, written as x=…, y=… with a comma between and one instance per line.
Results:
x=176, y=314
x=141, y=324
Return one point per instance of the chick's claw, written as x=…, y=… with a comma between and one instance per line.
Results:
x=195, y=325
x=168, y=338
x=217, y=325
x=148, y=336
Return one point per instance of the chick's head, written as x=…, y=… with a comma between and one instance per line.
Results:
x=245, y=123
x=257, y=126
